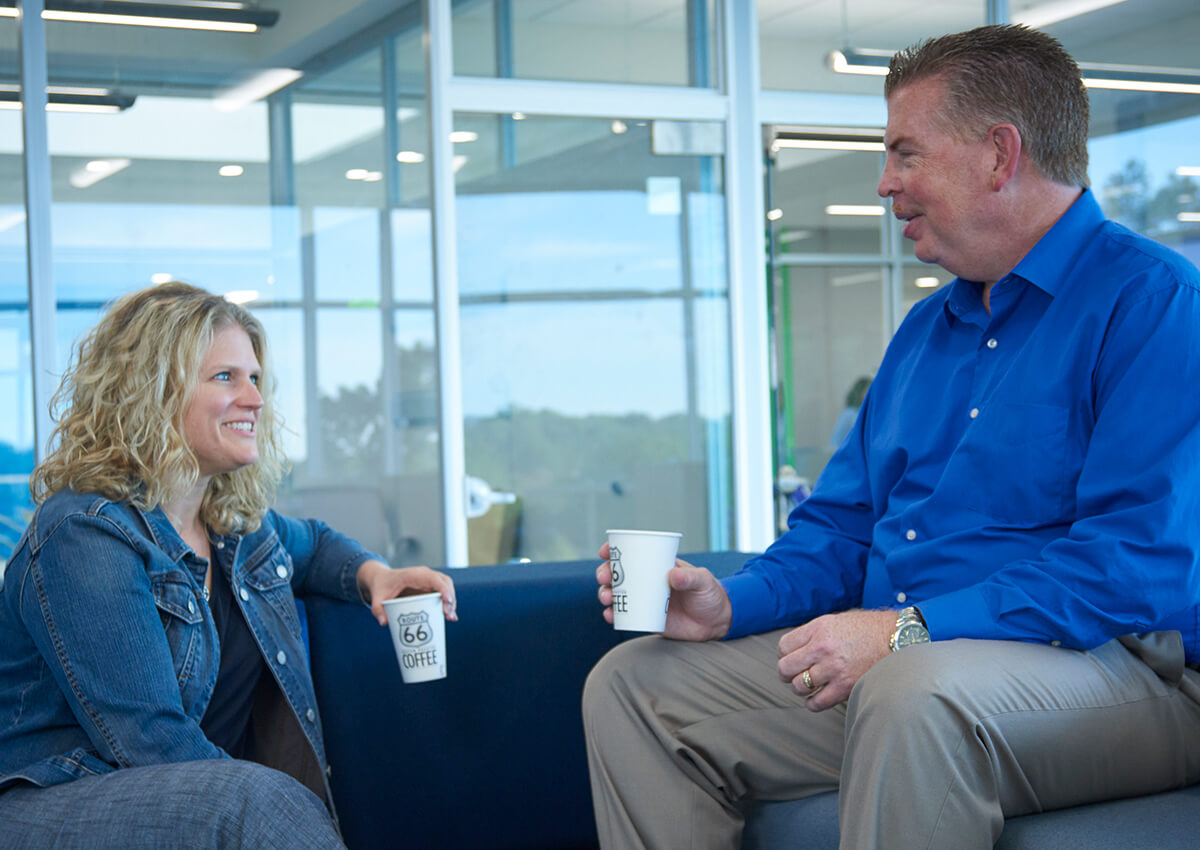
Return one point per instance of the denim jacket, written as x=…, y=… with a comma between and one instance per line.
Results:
x=109, y=653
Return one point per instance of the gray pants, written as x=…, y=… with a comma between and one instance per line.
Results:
x=937, y=744
x=197, y=804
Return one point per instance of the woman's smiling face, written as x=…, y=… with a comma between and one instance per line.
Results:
x=220, y=421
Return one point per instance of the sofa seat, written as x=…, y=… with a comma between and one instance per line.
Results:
x=492, y=757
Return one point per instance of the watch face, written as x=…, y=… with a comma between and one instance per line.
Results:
x=911, y=633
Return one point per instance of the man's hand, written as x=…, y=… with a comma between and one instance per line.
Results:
x=377, y=582
x=835, y=650
x=699, y=607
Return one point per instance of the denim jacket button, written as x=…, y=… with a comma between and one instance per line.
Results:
x=311, y=715
x=281, y=571
x=245, y=596
x=191, y=606
x=281, y=657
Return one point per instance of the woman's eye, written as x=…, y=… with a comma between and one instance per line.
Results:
x=254, y=379
x=222, y=376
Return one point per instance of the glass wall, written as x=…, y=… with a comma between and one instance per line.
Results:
x=665, y=42
x=595, y=323
x=842, y=277
x=16, y=372
x=593, y=287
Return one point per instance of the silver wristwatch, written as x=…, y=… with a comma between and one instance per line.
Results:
x=910, y=629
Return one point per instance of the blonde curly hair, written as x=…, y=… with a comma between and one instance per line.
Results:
x=120, y=410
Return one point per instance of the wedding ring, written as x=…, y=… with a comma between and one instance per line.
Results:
x=808, y=682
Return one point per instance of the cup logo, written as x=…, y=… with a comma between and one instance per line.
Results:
x=614, y=563
x=414, y=628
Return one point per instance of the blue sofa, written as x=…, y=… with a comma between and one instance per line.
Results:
x=492, y=757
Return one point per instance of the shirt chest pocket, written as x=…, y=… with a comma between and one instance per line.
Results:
x=1019, y=465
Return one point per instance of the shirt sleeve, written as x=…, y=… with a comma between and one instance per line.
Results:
x=89, y=606
x=325, y=561
x=1129, y=560
x=818, y=565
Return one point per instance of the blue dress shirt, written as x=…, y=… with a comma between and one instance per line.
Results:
x=1029, y=474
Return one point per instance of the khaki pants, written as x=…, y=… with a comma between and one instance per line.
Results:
x=937, y=744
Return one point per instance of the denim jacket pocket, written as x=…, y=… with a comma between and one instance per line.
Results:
x=182, y=619
x=271, y=579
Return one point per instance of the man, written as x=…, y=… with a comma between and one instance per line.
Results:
x=987, y=605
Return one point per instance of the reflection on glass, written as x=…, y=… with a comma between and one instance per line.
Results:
x=795, y=38
x=595, y=342
x=614, y=41
x=826, y=201
x=830, y=331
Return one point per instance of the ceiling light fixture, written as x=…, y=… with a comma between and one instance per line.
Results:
x=231, y=171
x=222, y=17
x=1188, y=217
x=854, y=209
x=1052, y=13
x=828, y=139
x=463, y=136
x=926, y=282
x=872, y=63
x=410, y=157
x=60, y=101
x=1095, y=75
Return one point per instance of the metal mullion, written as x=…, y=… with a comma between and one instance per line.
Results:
x=438, y=64
x=31, y=48
x=754, y=511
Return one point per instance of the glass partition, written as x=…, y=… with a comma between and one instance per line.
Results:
x=665, y=42
x=16, y=372
x=594, y=308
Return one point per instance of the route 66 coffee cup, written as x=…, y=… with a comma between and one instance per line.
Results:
x=640, y=561
x=418, y=629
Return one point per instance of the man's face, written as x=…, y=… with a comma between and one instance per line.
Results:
x=939, y=185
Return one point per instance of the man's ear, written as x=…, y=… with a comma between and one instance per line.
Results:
x=1005, y=143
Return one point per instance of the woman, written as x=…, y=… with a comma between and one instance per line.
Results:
x=154, y=689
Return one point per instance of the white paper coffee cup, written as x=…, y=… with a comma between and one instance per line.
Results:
x=640, y=561
x=418, y=629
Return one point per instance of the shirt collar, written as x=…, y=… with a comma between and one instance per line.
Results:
x=1049, y=261
x=164, y=533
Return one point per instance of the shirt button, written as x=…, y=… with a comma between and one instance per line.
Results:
x=281, y=657
x=911, y=534
x=281, y=571
x=974, y=412
x=245, y=596
x=902, y=596
x=311, y=715
x=991, y=343
x=1056, y=643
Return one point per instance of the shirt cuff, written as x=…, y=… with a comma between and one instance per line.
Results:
x=960, y=614
x=753, y=604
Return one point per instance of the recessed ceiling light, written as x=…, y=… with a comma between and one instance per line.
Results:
x=357, y=174
x=775, y=214
x=161, y=277
x=926, y=282
x=231, y=171
x=410, y=157
x=463, y=136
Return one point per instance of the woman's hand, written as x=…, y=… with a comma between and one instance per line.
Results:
x=377, y=582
